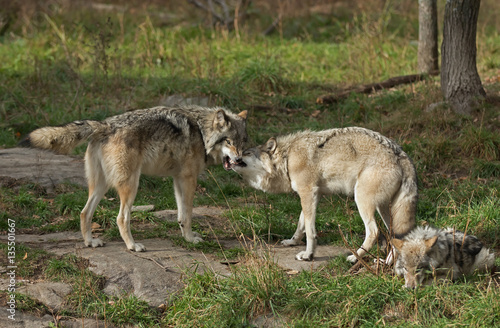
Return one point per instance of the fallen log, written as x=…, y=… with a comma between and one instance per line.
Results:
x=369, y=88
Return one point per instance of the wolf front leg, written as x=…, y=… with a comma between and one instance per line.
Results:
x=309, y=201
x=184, y=187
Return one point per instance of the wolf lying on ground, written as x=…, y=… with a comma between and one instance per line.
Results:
x=427, y=254
x=178, y=142
x=352, y=161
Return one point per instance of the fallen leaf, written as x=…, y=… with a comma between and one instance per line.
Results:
x=316, y=113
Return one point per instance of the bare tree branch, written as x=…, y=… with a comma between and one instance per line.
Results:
x=372, y=87
x=225, y=8
x=224, y=18
x=273, y=26
x=211, y=11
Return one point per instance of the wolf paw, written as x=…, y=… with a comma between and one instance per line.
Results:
x=94, y=242
x=289, y=242
x=352, y=258
x=138, y=247
x=195, y=238
x=304, y=256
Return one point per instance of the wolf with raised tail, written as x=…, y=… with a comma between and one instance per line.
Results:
x=428, y=254
x=352, y=161
x=161, y=141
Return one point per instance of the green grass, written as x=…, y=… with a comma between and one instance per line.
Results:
x=326, y=298
x=71, y=63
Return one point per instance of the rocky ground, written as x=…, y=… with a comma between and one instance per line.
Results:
x=151, y=276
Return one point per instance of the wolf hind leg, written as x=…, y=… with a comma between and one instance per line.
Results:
x=127, y=191
x=95, y=195
x=97, y=188
x=184, y=187
x=298, y=235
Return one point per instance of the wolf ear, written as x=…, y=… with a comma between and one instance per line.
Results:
x=243, y=114
x=220, y=119
x=397, y=243
x=430, y=242
x=271, y=145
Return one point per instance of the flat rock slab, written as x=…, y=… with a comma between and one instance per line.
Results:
x=284, y=256
x=198, y=212
x=52, y=294
x=155, y=275
x=23, y=320
x=152, y=276
x=56, y=237
x=42, y=167
x=26, y=320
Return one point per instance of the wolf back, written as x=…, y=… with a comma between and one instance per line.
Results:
x=178, y=142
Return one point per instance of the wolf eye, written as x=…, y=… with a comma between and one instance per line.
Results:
x=229, y=142
x=424, y=269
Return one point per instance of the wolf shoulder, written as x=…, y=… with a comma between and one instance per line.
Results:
x=158, y=123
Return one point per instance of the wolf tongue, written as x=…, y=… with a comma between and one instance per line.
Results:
x=227, y=163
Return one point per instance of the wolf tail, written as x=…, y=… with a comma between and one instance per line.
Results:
x=62, y=139
x=404, y=202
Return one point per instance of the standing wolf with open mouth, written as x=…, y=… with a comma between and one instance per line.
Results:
x=351, y=161
x=178, y=142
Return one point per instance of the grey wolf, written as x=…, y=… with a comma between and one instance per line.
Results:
x=178, y=142
x=427, y=254
x=352, y=161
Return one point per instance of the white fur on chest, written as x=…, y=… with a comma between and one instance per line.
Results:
x=255, y=178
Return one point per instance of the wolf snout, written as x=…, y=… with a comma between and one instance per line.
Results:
x=229, y=162
x=411, y=285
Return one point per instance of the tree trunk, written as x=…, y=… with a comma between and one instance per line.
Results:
x=460, y=82
x=427, y=36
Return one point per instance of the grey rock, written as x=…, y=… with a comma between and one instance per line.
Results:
x=179, y=100
x=23, y=320
x=142, y=208
x=51, y=294
x=42, y=167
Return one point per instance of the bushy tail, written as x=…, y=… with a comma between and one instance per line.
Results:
x=62, y=139
x=404, y=203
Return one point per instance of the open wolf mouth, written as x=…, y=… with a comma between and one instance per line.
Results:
x=229, y=163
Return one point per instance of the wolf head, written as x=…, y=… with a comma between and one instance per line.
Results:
x=414, y=261
x=225, y=136
x=264, y=168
